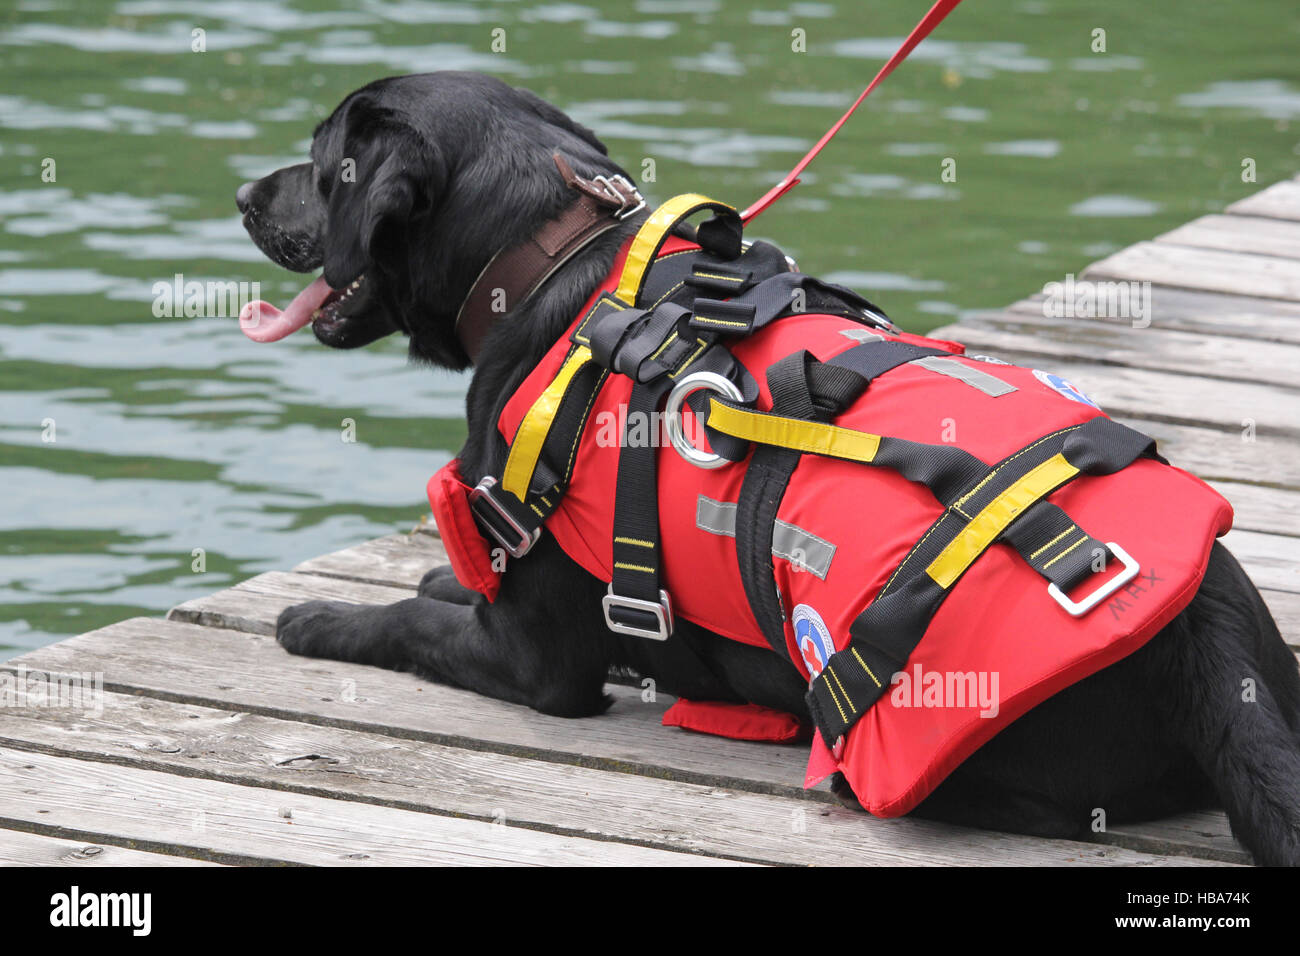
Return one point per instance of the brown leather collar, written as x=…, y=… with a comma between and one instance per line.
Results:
x=513, y=274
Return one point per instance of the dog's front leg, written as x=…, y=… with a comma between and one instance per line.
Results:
x=531, y=646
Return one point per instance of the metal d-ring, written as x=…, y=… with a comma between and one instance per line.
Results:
x=689, y=385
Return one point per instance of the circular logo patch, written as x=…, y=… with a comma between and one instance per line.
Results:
x=1063, y=387
x=813, y=639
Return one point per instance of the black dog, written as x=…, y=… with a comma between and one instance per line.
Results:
x=452, y=167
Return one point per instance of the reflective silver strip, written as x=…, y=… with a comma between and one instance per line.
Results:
x=801, y=548
x=862, y=335
x=974, y=377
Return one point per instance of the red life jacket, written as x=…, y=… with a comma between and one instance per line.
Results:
x=850, y=540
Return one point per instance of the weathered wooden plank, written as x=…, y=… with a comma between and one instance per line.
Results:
x=1256, y=508
x=21, y=848
x=1285, y=607
x=1148, y=395
x=1204, y=834
x=253, y=605
x=1240, y=233
x=398, y=560
x=1212, y=270
x=1233, y=455
x=1230, y=450
x=1271, y=560
x=1203, y=313
x=1279, y=201
x=261, y=751
x=230, y=823
x=224, y=668
x=1234, y=407
x=1032, y=339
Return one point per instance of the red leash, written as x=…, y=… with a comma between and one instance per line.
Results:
x=931, y=20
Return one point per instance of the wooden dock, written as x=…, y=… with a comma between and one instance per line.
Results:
x=211, y=745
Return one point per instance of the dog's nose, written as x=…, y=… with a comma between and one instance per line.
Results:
x=244, y=196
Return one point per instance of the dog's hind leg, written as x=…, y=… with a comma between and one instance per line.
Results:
x=1206, y=709
x=1098, y=752
x=440, y=584
x=1231, y=692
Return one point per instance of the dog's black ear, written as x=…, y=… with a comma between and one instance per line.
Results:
x=385, y=177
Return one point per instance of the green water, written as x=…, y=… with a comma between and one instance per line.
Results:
x=174, y=434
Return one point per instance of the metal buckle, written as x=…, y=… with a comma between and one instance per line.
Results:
x=482, y=492
x=622, y=198
x=686, y=386
x=879, y=320
x=663, y=612
x=1078, y=609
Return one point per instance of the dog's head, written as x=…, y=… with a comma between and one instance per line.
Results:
x=414, y=183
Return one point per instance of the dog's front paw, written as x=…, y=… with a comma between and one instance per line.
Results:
x=315, y=629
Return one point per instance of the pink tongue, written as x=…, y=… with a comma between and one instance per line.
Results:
x=263, y=322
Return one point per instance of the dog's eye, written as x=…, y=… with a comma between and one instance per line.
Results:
x=323, y=185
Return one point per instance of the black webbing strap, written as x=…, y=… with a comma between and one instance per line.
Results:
x=513, y=522
x=642, y=344
x=806, y=387
x=1102, y=446
x=775, y=297
x=760, y=496
x=1054, y=546
x=681, y=276
x=800, y=388
x=668, y=336
x=876, y=358
x=884, y=635
x=1046, y=537
x=635, y=602
x=653, y=347
x=945, y=469
x=635, y=349
x=794, y=396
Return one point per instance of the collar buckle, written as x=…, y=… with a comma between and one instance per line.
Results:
x=622, y=194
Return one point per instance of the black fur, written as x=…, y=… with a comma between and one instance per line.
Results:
x=450, y=168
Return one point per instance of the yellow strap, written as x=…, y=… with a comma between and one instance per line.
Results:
x=527, y=446
x=984, y=528
x=793, y=433
x=651, y=236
